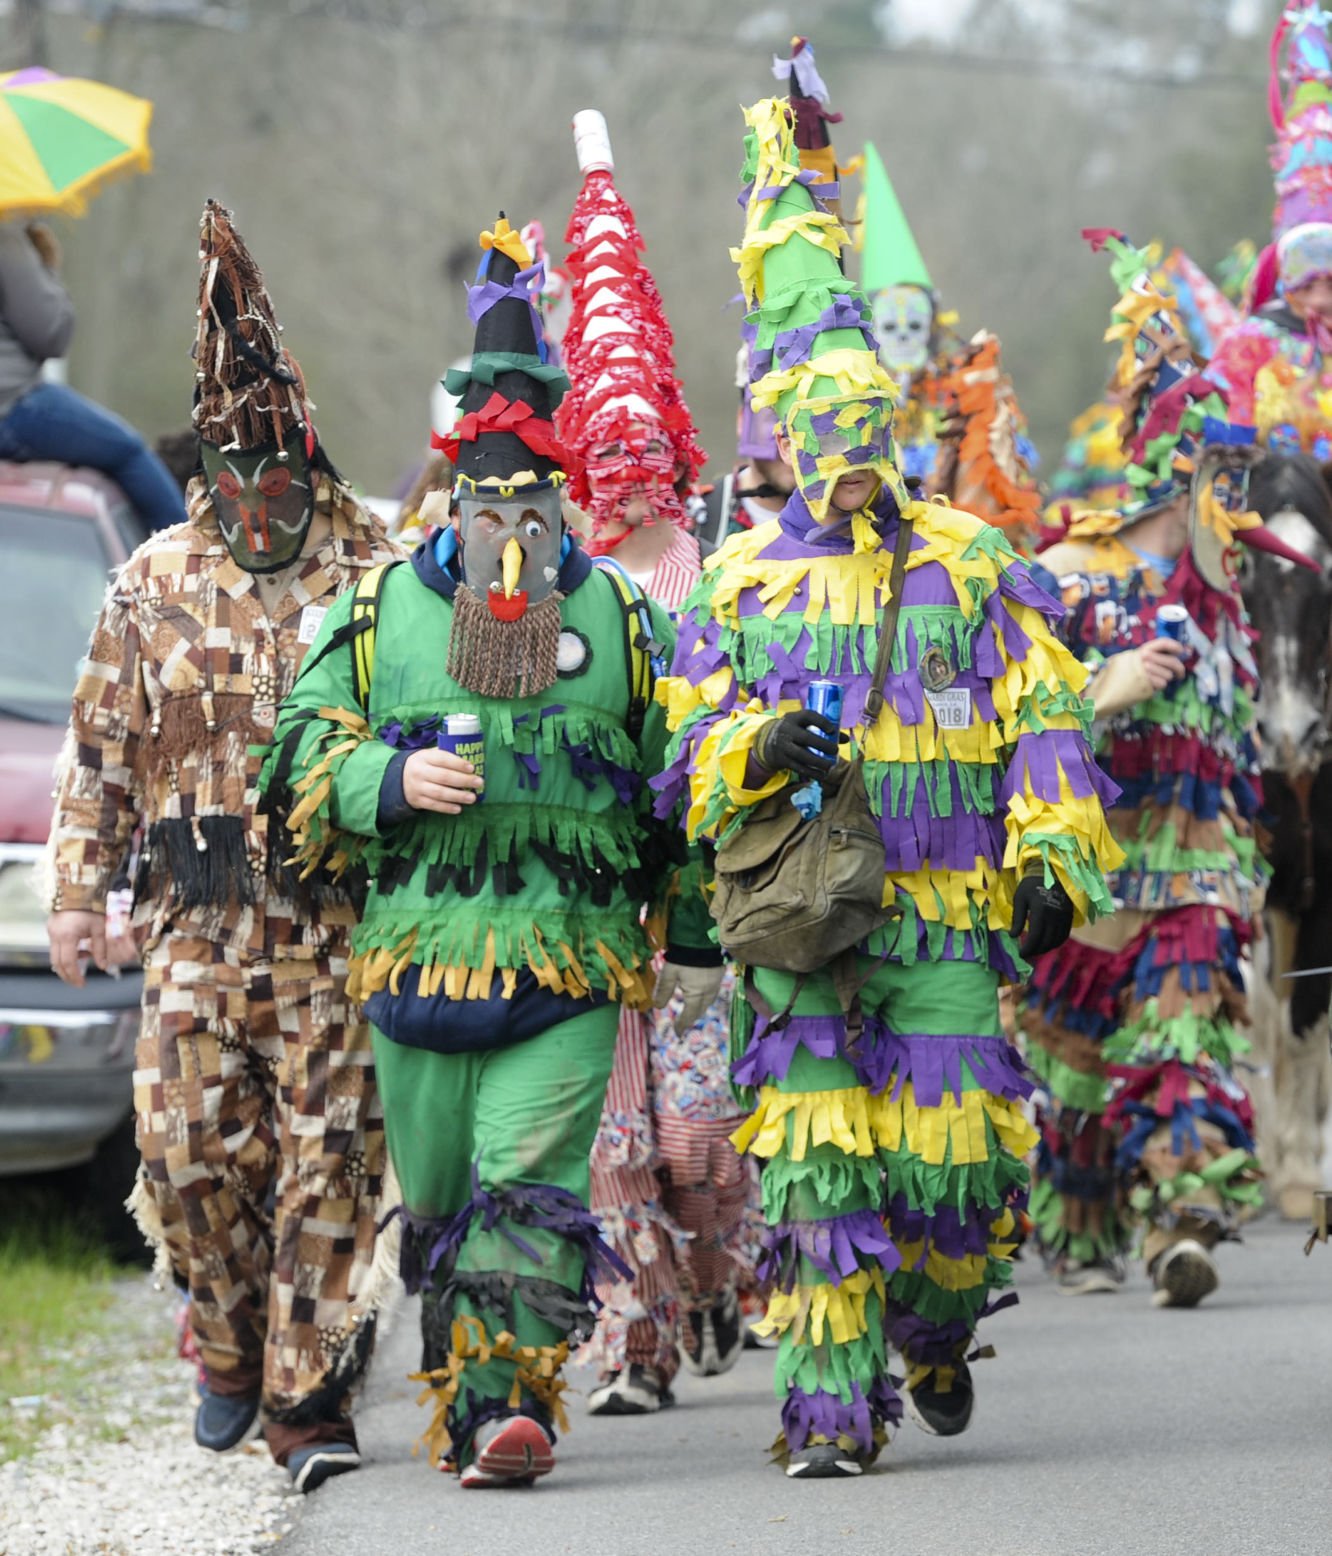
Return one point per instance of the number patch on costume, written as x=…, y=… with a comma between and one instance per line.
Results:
x=952, y=707
x=311, y=618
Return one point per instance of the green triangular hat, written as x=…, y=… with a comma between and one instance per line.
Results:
x=890, y=255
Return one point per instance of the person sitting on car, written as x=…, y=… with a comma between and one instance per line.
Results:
x=40, y=420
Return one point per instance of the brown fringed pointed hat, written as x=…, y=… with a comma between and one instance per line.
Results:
x=249, y=391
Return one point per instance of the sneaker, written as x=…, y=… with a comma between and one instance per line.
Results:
x=711, y=1339
x=636, y=1391
x=821, y=1460
x=1075, y=1279
x=1183, y=1275
x=223, y=1421
x=943, y=1412
x=513, y=1451
x=310, y=1467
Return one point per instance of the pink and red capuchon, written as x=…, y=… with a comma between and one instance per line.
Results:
x=626, y=414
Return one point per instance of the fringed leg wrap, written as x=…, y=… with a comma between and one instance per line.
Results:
x=459, y=1409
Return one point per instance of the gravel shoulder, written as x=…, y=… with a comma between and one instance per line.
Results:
x=117, y=1471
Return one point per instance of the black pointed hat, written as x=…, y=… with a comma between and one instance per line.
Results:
x=504, y=437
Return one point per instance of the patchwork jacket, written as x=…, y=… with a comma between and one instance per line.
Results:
x=172, y=713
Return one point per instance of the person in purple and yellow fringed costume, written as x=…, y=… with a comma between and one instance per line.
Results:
x=1133, y=1026
x=893, y=1164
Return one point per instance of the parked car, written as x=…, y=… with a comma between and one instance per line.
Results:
x=66, y=1054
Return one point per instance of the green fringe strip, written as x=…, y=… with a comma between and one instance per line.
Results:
x=1073, y=1088
x=454, y=939
x=1187, y=1037
x=968, y=1187
x=1234, y=1177
x=592, y=838
x=1162, y=854
x=1046, y=1210
x=1084, y=873
x=915, y=1290
x=827, y=1178
x=833, y=1367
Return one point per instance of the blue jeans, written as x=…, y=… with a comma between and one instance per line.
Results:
x=52, y=422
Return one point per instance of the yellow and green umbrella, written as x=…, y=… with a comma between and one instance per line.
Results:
x=61, y=139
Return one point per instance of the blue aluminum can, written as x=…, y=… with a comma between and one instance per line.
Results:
x=825, y=697
x=1172, y=621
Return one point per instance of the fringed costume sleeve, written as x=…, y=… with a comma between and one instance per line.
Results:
x=324, y=767
x=98, y=798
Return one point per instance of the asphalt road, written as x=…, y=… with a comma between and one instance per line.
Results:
x=1103, y=1427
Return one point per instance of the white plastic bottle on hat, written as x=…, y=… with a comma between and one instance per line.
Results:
x=592, y=142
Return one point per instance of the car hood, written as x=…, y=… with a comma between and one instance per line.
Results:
x=28, y=755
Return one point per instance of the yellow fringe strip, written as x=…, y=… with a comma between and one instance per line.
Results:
x=837, y=1311
x=537, y=1369
x=954, y=1133
x=370, y=971
x=315, y=787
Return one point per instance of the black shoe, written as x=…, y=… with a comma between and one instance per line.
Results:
x=637, y=1391
x=943, y=1412
x=712, y=1338
x=223, y=1420
x=824, y=1461
x=310, y=1467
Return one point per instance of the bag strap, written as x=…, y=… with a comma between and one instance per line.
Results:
x=888, y=625
x=365, y=615
x=643, y=654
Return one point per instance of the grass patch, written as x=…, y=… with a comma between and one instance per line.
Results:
x=55, y=1289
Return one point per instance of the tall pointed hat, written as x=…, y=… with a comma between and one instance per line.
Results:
x=619, y=351
x=1299, y=98
x=809, y=99
x=249, y=391
x=813, y=357
x=504, y=436
x=889, y=253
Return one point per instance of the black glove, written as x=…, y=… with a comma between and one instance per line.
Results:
x=803, y=742
x=1044, y=913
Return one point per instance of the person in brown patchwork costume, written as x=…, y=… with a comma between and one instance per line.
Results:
x=253, y=1072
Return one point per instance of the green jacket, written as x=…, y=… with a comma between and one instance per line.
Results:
x=553, y=870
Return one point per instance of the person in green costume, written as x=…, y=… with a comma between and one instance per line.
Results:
x=505, y=915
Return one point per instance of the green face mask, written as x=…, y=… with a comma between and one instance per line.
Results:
x=264, y=500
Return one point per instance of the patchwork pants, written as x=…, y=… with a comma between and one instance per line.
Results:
x=491, y=1150
x=1133, y=1029
x=263, y=1151
x=893, y=1174
x=675, y=1201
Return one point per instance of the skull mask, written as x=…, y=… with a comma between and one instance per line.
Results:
x=511, y=547
x=264, y=500
x=903, y=322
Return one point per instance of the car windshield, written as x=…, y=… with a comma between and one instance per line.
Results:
x=52, y=580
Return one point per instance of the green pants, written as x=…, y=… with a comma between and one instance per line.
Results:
x=491, y=1150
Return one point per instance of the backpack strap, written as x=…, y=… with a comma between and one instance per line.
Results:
x=643, y=654
x=888, y=623
x=364, y=618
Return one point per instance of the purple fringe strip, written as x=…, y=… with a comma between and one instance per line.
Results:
x=838, y=1247
x=931, y=1061
x=1038, y=758
x=951, y=1232
x=917, y=1340
x=430, y=1242
x=824, y=1415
